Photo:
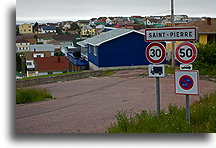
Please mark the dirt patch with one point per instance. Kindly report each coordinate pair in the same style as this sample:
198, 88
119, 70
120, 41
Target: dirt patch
130, 73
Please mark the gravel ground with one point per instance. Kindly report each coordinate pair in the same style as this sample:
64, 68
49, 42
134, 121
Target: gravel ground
90, 105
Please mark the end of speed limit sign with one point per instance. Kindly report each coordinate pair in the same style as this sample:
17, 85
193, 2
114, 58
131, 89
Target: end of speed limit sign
155, 52
186, 52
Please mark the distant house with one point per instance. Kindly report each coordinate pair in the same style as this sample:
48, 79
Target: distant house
57, 44
51, 65
25, 29
42, 38
22, 45
37, 51
82, 23
206, 29
48, 29
115, 48
67, 26
125, 24
88, 31
29, 37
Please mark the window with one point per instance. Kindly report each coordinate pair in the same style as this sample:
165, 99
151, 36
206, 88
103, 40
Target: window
38, 56
95, 51
29, 63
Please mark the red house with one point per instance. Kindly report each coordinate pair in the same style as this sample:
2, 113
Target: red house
51, 65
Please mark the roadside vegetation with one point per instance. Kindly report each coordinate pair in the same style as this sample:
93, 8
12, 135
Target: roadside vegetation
31, 95
203, 119
49, 75
206, 59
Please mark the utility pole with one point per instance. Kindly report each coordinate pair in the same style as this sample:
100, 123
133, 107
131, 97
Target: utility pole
172, 24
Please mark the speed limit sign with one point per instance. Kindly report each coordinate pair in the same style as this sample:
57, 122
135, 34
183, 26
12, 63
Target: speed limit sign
155, 52
186, 52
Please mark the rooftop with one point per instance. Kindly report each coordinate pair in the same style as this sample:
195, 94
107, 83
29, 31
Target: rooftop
110, 35
203, 26
42, 47
56, 63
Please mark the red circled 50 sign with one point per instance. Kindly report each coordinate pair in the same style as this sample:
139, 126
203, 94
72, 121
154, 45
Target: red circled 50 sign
155, 52
186, 53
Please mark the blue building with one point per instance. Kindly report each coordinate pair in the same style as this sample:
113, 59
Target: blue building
115, 48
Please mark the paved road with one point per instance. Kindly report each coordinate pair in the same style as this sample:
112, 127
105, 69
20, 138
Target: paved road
90, 105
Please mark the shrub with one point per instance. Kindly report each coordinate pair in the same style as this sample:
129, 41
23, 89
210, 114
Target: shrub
206, 59
31, 95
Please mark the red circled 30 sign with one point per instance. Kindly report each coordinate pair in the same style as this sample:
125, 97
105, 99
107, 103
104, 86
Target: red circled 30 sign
155, 52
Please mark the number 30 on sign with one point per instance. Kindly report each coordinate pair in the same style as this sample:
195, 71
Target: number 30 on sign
155, 52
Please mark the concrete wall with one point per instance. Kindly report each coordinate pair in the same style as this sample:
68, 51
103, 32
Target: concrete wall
53, 79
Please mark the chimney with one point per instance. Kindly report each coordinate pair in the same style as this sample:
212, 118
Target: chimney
59, 59
208, 20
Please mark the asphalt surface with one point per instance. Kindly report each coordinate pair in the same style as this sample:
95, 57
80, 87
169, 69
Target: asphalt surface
90, 105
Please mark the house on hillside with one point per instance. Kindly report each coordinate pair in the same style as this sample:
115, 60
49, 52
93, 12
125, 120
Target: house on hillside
82, 23
118, 48
43, 38
206, 29
37, 51
88, 31
50, 65
48, 29
22, 45
25, 29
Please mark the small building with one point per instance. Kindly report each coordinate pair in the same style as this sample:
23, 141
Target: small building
51, 65
118, 48
206, 29
25, 29
88, 31
37, 51
22, 45
48, 29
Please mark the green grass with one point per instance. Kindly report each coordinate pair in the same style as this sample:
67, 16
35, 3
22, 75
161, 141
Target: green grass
203, 119
31, 95
109, 72
49, 75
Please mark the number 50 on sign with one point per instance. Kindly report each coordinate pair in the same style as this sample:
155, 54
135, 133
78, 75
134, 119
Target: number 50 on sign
186, 52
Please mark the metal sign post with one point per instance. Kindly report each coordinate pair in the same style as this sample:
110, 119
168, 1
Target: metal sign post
157, 71
158, 95
156, 53
188, 108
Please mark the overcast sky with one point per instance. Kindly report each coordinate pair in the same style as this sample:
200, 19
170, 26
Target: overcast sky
86, 9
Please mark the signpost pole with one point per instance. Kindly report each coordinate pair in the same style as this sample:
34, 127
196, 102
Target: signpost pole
188, 108
158, 95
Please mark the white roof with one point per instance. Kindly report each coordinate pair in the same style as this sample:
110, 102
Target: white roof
42, 47
105, 37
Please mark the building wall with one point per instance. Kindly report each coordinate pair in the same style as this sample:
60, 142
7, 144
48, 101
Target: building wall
91, 57
87, 32
22, 47
30, 55
128, 50
203, 38
25, 28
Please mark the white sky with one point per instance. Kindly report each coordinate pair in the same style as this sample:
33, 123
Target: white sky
86, 9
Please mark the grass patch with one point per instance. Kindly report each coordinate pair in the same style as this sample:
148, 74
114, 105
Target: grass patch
31, 95
109, 72
203, 119
49, 75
